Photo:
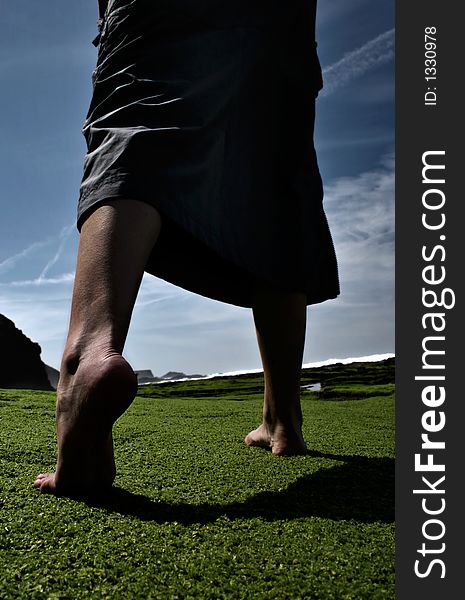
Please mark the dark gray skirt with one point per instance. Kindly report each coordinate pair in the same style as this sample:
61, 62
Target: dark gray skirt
205, 109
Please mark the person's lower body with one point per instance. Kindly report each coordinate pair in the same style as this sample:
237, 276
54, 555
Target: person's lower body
96, 383
280, 322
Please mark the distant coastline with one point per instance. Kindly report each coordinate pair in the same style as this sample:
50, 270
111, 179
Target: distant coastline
321, 363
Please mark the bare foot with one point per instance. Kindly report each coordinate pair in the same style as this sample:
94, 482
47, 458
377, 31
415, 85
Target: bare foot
88, 403
282, 440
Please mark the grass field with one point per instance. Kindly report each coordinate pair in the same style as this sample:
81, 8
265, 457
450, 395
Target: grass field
196, 513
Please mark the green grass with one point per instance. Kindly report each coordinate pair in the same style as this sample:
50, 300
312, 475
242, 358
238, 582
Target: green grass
197, 514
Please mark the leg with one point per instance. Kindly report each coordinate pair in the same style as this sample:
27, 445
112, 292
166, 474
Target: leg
280, 321
96, 384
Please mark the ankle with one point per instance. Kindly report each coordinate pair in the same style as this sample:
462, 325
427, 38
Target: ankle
283, 419
106, 386
96, 362
86, 348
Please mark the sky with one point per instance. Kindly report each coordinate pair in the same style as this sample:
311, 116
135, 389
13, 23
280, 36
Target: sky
46, 60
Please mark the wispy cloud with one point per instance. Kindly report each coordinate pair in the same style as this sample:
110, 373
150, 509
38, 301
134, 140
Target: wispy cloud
361, 214
10, 263
31, 253
374, 53
40, 281
63, 236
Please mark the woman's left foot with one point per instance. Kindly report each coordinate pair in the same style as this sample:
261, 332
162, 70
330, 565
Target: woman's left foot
282, 440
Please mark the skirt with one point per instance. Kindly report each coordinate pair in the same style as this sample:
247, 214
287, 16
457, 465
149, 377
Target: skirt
205, 109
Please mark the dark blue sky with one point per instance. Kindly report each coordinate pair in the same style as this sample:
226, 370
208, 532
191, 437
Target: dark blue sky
46, 58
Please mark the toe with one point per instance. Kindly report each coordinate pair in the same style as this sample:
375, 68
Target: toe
45, 482
39, 479
257, 437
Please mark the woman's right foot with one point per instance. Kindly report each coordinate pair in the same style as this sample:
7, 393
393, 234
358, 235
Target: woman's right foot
88, 403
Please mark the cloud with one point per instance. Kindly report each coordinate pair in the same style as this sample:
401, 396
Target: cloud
167, 311
32, 255
40, 281
360, 211
63, 236
10, 263
374, 53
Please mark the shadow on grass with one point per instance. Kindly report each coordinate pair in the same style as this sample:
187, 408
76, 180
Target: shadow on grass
361, 489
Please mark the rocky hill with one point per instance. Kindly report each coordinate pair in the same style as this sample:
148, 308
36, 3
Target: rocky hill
20, 364
175, 375
146, 376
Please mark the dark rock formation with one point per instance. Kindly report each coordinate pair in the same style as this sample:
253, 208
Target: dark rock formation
20, 363
146, 376
174, 375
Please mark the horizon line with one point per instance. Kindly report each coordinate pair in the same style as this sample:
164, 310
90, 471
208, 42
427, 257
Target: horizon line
310, 365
